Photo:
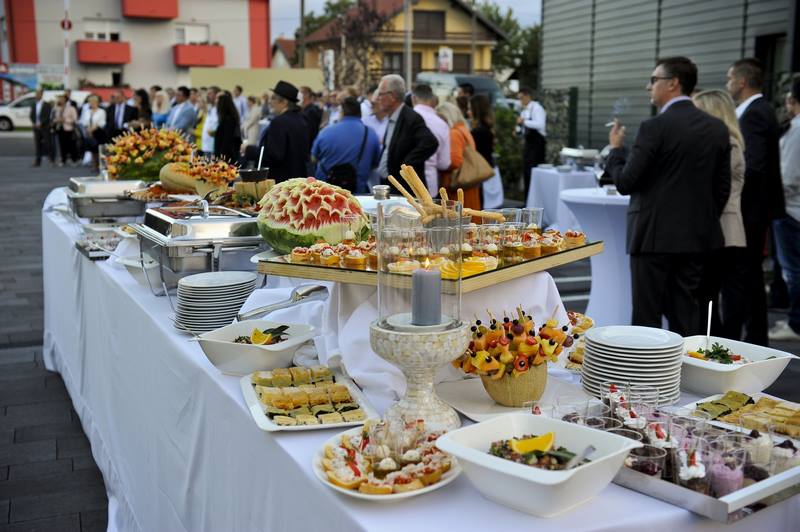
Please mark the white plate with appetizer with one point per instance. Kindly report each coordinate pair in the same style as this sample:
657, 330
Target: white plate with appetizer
299, 399
731, 365
509, 460
340, 465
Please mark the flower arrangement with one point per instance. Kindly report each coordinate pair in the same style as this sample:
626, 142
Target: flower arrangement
141, 154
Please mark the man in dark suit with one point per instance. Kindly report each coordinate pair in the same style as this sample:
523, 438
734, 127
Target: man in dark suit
678, 176
118, 115
285, 141
40, 120
312, 112
762, 199
407, 139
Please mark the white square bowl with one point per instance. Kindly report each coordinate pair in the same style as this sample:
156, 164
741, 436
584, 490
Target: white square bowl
709, 378
243, 359
528, 489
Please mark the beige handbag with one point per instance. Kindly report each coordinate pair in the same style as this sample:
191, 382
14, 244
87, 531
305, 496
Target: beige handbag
473, 171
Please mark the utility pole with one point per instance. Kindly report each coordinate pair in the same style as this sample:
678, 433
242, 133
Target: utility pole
408, 22
472, 44
302, 59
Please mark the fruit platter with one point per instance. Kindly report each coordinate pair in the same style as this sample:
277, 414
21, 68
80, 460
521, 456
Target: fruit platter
385, 461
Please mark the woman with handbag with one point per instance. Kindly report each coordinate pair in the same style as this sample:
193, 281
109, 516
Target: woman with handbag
468, 169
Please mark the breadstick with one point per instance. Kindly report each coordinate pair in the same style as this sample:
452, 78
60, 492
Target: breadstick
483, 214
417, 185
413, 185
405, 194
444, 199
460, 193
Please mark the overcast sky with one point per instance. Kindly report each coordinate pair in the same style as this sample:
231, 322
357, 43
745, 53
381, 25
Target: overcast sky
285, 14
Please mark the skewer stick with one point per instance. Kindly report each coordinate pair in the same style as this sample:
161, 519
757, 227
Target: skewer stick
406, 194
555, 309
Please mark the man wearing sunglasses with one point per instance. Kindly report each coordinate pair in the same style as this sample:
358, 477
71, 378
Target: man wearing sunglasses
678, 176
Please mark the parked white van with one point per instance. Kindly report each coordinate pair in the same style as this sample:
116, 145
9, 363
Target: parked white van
18, 112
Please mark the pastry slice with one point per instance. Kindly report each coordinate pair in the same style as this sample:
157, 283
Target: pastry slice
300, 375
326, 408
298, 397
318, 396
284, 421
262, 378
268, 394
321, 373
333, 417
300, 411
306, 419
339, 393
272, 411
354, 415
281, 377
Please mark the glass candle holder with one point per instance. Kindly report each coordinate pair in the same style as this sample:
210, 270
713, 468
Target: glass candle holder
420, 290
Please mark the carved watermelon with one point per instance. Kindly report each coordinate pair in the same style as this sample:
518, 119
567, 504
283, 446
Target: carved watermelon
301, 211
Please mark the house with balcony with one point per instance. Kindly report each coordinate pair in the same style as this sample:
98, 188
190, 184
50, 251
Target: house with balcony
435, 24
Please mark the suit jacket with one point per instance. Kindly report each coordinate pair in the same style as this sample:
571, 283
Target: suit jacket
286, 147
762, 195
313, 115
731, 219
128, 114
45, 116
412, 143
185, 120
678, 175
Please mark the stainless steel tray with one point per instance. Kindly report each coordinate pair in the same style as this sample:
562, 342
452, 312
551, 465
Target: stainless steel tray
97, 187
96, 207
733, 507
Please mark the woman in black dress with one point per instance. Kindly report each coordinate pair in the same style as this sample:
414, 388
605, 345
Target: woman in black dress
483, 126
228, 138
141, 101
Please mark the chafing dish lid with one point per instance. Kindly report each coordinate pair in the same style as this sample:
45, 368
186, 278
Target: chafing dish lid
100, 188
191, 223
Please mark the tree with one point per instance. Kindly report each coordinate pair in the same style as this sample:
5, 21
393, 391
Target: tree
360, 27
520, 51
331, 10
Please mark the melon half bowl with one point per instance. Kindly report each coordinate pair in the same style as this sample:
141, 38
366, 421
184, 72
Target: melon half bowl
303, 211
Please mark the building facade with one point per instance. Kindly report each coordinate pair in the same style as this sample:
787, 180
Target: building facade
435, 24
607, 49
137, 42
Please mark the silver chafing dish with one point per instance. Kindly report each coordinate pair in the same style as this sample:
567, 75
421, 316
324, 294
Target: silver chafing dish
95, 198
197, 238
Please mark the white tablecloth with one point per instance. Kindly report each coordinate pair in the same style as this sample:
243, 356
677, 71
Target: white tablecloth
603, 217
179, 451
547, 184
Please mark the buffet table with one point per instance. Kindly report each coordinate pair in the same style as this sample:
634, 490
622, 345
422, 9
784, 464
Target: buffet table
179, 450
545, 190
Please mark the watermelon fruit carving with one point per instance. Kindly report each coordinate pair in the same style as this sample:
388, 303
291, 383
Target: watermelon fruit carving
303, 211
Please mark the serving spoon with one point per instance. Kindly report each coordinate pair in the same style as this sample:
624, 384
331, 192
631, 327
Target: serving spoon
301, 294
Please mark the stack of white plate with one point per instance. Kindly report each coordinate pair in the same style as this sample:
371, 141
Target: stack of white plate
208, 301
639, 355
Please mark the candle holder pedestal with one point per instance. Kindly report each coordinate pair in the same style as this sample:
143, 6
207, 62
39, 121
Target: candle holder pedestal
418, 355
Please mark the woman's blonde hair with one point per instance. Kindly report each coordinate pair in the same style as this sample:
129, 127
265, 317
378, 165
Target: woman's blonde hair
162, 107
719, 104
451, 114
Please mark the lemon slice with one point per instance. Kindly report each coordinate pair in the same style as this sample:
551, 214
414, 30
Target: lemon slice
541, 443
259, 338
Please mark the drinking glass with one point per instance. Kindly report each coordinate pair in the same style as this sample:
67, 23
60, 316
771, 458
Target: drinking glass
512, 243
532, 218
511, 215
538, 408
726, 472
630, 434
603, 423
642, 393
648, 460
694, 457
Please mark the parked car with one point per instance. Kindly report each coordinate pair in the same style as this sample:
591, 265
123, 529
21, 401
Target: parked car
18, 113
445, 85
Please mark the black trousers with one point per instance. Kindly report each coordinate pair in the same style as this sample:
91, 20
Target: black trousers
533, 154
744, 302
68, 145
42, 144
667, 284
723, 279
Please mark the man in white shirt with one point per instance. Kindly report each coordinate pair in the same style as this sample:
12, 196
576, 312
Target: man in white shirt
424, 101
532, 121
211, 123
240, 102
787, 229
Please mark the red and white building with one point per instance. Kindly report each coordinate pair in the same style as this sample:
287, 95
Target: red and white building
136, 42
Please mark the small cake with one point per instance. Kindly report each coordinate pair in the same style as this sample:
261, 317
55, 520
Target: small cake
281, 377
268, 394
548, 245
316, 250
421, 253
575, 238
531, 249
349, 238
466, 250
339, 393
300, 254
318, 396
692, 472
262, 378
491, 249
355, 258
328, 257
333, 417
300, 375
321, 373
297, 396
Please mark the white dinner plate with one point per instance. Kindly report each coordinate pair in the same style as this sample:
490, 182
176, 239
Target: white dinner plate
319, 471
263, 421
631, 366
227, 287
211, 294
599, 378
611, 374
217, 279
264, 255
633, 337
617, 351
213, 301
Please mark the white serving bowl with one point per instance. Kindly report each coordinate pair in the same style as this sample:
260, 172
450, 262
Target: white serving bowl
243, 359
528, 489
710, 378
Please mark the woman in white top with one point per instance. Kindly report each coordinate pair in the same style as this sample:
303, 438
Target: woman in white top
250, 126
94, 123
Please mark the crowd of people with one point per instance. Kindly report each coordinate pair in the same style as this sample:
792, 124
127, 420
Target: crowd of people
353, 140
709, 177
